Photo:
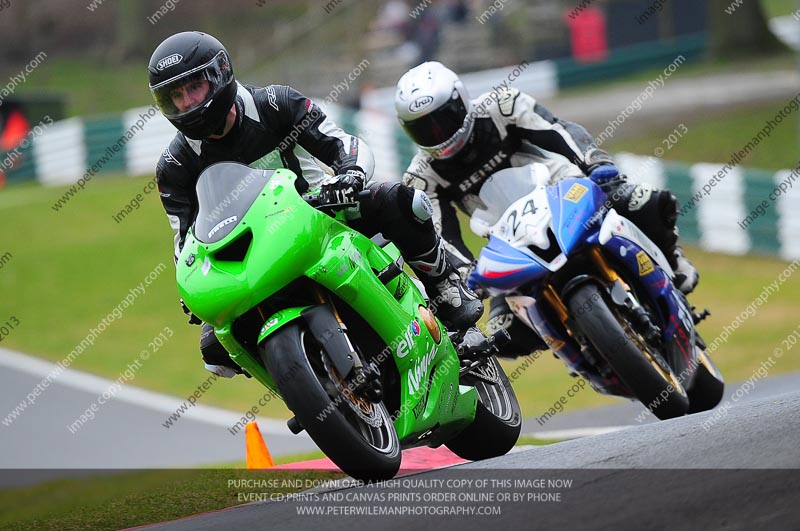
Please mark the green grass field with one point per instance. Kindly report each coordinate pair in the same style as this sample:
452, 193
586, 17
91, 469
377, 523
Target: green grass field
717, 139
777, 8
122, 500
69, 269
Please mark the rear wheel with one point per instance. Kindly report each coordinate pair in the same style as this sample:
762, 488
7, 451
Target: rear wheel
640, 366
356, 434
708, 386
498, 420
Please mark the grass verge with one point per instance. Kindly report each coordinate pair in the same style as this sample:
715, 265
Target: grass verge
717, 139
116, 501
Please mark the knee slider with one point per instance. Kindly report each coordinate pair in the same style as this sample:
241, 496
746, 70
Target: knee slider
409, 203
421, 206
498, 322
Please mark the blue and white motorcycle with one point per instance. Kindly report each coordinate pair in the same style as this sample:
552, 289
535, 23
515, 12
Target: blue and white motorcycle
595, 288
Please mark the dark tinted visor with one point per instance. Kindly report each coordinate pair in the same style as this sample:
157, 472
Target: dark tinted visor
439, 126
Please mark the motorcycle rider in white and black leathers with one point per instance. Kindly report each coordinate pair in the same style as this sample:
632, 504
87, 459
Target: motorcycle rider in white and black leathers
219, 119
463, 142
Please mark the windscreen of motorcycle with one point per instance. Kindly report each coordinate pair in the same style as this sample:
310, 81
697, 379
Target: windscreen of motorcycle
225, 192
503, 189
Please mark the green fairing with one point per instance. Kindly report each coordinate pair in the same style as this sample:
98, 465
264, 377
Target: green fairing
292, 239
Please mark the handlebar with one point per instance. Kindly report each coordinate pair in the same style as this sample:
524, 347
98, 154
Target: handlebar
610, 185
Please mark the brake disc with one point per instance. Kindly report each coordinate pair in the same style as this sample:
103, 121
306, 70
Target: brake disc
363, 408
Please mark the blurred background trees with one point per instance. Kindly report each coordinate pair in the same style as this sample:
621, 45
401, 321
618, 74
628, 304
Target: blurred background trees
97, 49
744, 32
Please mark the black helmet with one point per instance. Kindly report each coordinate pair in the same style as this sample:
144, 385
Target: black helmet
191, 79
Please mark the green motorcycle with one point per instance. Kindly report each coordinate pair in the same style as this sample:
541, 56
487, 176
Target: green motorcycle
327, 318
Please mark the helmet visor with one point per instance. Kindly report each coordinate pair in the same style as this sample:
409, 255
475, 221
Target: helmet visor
439, 126
184, 93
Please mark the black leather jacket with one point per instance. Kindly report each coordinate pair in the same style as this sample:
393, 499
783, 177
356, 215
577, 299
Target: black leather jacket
276, 127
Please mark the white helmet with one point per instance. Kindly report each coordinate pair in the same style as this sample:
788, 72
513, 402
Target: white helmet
434, 109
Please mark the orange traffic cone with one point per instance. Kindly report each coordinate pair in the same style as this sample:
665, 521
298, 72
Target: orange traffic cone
257, 453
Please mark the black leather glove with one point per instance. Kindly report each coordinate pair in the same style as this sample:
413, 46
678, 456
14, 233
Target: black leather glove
342, 188
193, 319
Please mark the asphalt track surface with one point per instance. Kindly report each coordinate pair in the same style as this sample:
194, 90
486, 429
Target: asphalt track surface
125, 434
573, 424
741, 471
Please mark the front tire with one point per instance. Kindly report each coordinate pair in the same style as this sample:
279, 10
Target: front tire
498, 420
637, 364
708, 386
364, 445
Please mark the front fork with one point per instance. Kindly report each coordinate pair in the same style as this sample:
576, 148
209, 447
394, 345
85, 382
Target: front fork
620, 293
364, 380
557, 303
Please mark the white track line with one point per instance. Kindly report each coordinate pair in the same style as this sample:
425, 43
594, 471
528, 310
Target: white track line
166, 404
574, 433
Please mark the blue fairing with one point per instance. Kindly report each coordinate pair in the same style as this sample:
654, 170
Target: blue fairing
573, 203
503, 267
680, 328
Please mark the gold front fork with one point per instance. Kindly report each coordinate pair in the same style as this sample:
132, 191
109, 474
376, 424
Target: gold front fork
602, 265
608, 273
555, 302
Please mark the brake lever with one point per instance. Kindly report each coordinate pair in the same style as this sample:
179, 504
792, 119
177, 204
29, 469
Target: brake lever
335, 207
314, 201
486, 345
612, 183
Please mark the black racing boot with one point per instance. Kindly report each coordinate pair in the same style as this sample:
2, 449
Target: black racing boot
450, 299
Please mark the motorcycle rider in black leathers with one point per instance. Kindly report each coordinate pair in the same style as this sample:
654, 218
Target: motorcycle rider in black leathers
462, 142
219, 119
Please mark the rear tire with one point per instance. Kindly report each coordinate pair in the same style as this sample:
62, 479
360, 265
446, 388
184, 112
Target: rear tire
365, 449
708, 386
498, 420
656, 387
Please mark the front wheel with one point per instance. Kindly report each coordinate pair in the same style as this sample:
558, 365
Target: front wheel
640, 366
357, 435
498, 419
